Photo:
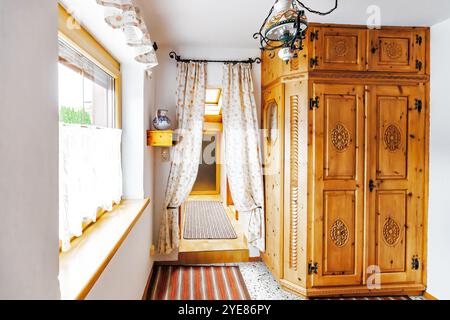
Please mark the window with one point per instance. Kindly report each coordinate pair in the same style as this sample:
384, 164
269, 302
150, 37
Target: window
86, 92
90, 169
213, 105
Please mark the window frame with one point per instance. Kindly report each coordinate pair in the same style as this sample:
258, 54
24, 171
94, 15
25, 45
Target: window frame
88, 46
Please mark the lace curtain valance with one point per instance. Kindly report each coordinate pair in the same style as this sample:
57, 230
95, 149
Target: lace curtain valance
122, 14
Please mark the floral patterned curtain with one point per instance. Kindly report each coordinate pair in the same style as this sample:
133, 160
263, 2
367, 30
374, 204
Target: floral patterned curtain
242, 148
191, 93
122, 14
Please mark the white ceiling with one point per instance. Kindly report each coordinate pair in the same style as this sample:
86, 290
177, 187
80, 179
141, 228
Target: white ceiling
231, 23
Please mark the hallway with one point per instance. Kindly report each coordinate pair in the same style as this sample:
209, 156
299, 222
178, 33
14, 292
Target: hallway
207, 251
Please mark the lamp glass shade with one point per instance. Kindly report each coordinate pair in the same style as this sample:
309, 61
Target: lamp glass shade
282, 24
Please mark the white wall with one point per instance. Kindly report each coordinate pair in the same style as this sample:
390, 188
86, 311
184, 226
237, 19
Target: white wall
127, 273
166, 74
28, 150
439, 208
133, 130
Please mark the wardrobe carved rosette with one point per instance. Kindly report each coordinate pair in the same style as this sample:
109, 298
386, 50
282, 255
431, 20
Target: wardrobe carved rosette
393, 138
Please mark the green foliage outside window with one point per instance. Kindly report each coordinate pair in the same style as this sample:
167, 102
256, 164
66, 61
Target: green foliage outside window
74, 116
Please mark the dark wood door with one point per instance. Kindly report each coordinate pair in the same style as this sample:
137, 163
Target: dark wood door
338, 49
395, 180
397, 51
338, 172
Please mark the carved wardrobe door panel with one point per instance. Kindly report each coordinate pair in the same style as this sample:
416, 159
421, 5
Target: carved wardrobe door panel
395, 180
397, 51
338, 49
273, 146
338, 144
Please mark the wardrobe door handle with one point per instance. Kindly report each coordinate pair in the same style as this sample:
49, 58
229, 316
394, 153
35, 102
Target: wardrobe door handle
371, 185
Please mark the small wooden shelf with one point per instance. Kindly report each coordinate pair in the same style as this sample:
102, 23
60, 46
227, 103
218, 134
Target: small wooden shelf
160, 138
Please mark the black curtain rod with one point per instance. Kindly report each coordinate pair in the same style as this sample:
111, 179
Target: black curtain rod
176, 57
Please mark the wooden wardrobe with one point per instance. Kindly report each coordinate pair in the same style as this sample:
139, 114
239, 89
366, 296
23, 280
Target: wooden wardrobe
346, 162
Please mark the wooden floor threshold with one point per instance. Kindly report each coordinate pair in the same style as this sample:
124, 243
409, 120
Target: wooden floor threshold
211, 257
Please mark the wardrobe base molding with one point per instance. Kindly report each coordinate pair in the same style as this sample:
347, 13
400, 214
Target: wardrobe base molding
354, 291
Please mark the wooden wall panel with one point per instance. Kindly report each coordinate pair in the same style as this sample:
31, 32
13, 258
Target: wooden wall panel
340, 147
391, 221
339, 49
273, 146
396, 136
397, 51
338, 139
339, 233
296, 169
392, 113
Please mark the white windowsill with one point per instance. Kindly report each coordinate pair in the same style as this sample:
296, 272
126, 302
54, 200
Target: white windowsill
82, 265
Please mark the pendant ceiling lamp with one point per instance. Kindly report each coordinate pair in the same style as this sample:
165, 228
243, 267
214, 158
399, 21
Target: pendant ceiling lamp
285, 28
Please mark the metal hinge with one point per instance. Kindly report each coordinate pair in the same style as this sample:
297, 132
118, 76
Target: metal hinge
419, 65
419, 39
415, 264
419, 105
313, 268
314, 35
314, 62
314, 103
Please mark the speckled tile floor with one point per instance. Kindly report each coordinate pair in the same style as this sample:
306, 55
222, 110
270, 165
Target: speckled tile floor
261, 284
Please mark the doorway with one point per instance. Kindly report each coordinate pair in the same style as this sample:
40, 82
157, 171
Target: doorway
208, 177
209, 230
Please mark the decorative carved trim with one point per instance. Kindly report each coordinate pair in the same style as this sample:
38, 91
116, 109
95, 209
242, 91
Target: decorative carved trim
368, 75
295, 64
391, 232
393, 50
340, 48
339, 233
393, 138
294, 181
340, 137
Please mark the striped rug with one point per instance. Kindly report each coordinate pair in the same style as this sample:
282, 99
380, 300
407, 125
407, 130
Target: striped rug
197, 283
207, 220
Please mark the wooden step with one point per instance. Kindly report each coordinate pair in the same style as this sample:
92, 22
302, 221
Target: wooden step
211, 257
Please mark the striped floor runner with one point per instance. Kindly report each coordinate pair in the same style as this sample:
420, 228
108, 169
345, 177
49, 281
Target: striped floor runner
197, 283
207, 220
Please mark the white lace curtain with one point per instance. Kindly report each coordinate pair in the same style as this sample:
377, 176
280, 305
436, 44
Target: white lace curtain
90, 176
191, 91
122, 14
242, 148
